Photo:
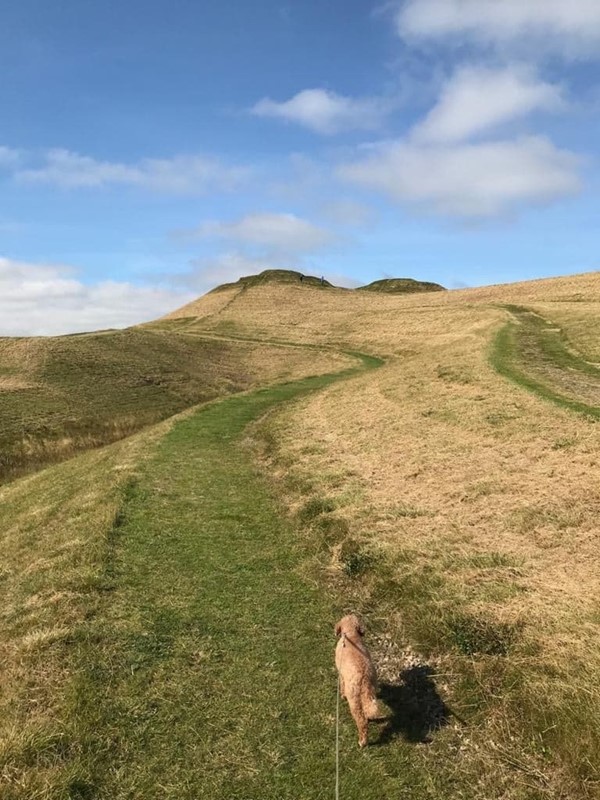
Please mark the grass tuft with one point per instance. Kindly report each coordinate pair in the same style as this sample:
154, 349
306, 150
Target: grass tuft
476, 635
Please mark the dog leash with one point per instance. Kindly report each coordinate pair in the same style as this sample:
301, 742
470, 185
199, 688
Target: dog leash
337, 727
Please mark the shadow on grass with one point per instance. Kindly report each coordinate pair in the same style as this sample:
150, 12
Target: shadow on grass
417, 710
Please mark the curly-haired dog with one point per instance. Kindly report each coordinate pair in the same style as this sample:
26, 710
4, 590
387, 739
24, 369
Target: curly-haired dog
358, 680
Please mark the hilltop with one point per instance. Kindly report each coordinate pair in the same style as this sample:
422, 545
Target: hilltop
274, 286
392, 285
401, 286
274, 276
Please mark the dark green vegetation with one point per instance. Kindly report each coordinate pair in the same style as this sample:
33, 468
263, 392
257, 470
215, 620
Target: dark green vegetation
401, 286
535, 354
275, 276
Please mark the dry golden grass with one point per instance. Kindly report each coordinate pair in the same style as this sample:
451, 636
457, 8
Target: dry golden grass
338, 316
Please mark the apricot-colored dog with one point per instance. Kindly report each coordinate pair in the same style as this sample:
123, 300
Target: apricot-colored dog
358, 680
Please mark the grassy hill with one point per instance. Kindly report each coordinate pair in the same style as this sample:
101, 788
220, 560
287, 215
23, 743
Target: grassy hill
149, 588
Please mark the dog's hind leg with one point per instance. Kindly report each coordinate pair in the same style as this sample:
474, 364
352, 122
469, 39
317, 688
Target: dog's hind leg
356, 709
342, 689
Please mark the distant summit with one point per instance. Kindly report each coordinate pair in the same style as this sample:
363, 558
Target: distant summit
401, 286
274, 276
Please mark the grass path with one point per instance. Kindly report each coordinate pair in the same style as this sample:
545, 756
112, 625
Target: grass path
209, 674
535, 354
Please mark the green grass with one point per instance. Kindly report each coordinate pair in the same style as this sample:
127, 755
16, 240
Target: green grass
205, 668
195, 658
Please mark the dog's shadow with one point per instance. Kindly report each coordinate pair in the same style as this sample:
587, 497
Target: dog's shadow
417, 710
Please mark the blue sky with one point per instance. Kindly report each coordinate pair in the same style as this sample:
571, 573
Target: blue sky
151, 150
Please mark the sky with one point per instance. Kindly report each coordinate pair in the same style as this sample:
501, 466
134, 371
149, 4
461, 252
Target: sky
153, 149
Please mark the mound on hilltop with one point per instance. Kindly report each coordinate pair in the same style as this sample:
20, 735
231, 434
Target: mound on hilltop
274, 276
401, 286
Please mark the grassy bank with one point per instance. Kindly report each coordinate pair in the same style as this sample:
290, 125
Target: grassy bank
167, 629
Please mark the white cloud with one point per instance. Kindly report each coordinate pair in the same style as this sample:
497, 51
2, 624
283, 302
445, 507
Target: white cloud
8, 156
278, 233
46, 299
570, 27
326, 112
476, 99
349, 212
177, 175
468, 180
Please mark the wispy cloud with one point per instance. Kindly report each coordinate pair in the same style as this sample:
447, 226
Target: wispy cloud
570, 28
277, 233
178, 175
206, 273
477, 98
326, 112
47, 299
9, 157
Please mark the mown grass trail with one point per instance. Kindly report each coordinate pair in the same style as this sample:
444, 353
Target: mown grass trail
535, 354
209, 673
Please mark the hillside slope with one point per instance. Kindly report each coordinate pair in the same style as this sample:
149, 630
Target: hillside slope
62, 394
380, 320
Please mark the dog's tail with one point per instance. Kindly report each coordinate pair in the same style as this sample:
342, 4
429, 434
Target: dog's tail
371, 709
369, 702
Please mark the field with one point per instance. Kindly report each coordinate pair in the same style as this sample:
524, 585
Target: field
169, 599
